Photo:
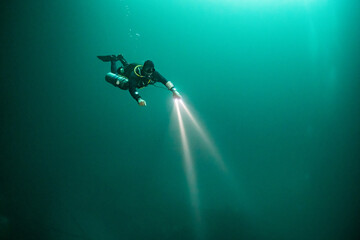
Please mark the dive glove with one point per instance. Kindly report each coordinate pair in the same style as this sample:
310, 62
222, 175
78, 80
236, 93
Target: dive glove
176, 94
171, 87
141, 102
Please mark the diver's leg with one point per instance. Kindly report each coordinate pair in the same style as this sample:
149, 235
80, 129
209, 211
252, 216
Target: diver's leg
113, 66
122, 60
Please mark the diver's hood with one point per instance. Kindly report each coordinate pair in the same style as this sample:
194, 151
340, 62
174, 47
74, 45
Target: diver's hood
148, 65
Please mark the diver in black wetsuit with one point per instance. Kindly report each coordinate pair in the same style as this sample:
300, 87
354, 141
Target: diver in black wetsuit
133, 76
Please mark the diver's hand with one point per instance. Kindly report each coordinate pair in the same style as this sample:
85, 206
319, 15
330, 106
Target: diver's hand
141, 102
176, 95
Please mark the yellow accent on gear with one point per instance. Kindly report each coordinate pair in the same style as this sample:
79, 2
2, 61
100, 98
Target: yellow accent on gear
136, 68
139, 75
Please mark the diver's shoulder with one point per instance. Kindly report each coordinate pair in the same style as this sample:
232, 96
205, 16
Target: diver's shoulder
157, 74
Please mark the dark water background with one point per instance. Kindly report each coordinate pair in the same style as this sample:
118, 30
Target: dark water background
275, 83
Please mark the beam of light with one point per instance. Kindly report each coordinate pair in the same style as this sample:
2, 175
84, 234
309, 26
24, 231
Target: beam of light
206, 138
188, 164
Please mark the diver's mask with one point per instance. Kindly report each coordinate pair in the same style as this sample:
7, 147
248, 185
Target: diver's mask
148, 72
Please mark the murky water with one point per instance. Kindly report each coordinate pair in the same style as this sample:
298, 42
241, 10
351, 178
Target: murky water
266, 146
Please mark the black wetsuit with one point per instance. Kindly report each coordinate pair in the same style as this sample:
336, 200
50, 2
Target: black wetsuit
136, 80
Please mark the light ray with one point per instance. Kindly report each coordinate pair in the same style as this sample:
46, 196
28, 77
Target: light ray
189, 165
206, 138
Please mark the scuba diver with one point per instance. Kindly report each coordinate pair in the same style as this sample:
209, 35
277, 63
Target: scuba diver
133, 76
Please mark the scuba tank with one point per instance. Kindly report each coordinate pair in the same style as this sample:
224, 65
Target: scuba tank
117, 80
121, 79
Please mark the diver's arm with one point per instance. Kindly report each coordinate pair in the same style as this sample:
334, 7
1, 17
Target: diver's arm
159, 78
171, 87
132, 90
134, 93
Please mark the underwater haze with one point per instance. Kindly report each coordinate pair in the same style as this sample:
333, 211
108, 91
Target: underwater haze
264, 145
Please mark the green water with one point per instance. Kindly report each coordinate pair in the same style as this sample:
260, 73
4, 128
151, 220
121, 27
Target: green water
275, 84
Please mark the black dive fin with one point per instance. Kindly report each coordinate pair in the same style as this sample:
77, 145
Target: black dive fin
106, 58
